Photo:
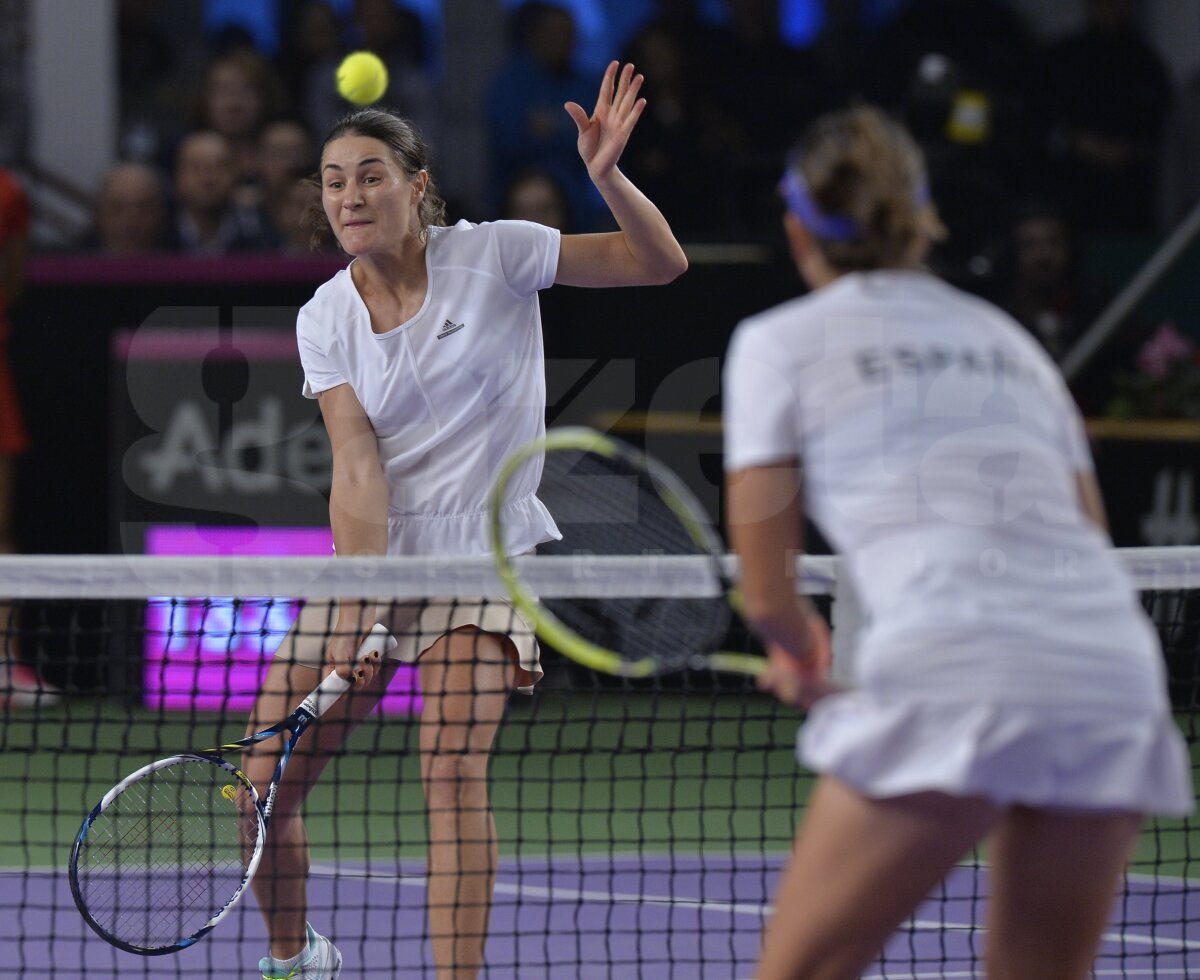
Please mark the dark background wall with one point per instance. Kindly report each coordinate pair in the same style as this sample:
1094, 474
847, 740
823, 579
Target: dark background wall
612, 355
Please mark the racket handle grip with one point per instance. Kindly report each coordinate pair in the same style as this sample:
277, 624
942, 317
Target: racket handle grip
379, 640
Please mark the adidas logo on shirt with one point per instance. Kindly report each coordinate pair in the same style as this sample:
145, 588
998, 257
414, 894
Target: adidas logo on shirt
448, 328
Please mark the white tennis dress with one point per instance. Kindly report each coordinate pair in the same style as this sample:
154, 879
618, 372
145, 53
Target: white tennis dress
1005, 653
450, 393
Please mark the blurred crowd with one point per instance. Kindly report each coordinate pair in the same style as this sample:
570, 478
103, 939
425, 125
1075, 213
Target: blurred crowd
1087, 124
1031, 146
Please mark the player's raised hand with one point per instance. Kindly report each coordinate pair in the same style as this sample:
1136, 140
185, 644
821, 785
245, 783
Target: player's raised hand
603, 134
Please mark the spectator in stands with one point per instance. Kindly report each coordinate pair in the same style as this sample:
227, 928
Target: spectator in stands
313, 45
526, 122
130, 211
534, 195
1179, 189
1044, 292
240, 92
1047, 292
291, 208
1104, 93
208, 219
284, 147
20, 684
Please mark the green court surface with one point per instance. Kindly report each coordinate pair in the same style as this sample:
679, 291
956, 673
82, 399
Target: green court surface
593, 773
600, 772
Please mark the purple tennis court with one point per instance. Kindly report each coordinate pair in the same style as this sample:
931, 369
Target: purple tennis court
649, 916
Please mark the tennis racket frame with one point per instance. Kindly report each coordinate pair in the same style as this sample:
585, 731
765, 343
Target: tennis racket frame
682, 503
328, 692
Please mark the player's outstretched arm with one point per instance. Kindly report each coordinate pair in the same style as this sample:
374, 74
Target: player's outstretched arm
644, 252
358, 501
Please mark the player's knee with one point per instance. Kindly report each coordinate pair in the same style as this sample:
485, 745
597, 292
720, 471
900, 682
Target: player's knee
451, 777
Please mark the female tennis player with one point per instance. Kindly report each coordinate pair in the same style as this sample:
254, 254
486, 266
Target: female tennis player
425, 356
1007, 684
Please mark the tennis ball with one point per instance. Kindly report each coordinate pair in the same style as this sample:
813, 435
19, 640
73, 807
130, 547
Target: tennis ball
362, 78
229, 791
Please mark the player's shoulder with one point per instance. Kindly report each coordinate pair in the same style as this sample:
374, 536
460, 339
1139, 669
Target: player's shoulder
1000, 325
790, 320
975, 305
334, 301
451, 242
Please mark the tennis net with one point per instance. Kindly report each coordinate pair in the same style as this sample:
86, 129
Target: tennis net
641, 824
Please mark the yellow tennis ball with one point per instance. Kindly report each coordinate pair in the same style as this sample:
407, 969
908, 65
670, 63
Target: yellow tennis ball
229, 791
362, 78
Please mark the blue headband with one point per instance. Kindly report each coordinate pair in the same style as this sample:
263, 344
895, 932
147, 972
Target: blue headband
831, 227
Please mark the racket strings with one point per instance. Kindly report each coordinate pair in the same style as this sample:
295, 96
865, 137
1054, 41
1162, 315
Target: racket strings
166, 854
606, 506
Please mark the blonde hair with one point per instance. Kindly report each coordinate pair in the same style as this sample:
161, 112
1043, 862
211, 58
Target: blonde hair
864, 171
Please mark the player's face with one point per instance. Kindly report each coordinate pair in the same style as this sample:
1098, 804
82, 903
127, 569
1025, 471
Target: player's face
369, 200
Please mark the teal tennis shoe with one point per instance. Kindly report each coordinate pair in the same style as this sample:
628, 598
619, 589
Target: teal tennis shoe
319, 960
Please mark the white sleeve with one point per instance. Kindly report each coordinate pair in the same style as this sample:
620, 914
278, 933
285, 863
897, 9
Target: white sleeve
528, 254
761, 419
320, 373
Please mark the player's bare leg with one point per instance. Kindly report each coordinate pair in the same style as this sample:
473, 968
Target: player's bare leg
1053, 881
860, 866
280, 885
465, 681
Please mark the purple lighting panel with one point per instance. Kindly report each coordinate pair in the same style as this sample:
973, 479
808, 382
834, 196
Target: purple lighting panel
210, 654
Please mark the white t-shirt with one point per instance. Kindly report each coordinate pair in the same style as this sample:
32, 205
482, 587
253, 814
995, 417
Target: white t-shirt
452, 391
939, 448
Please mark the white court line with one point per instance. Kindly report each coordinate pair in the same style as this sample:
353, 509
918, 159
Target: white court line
1129, 938
681, 857
1135, 938
579, 894
1148, 879
728, 908
597, 858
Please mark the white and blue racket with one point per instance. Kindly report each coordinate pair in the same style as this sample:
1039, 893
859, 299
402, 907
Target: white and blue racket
168, 851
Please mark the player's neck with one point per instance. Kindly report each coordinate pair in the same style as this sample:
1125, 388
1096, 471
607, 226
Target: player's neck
392, 289
397, 272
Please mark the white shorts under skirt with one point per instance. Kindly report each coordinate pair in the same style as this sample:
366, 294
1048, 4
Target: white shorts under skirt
1011, 754
419, 625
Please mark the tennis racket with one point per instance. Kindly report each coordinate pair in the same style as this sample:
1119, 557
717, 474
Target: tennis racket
167, 852
610, 498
